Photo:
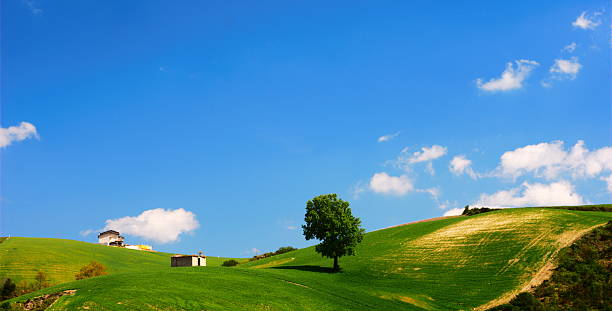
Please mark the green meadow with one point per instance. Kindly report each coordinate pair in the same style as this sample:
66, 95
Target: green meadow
457, 263
60, 260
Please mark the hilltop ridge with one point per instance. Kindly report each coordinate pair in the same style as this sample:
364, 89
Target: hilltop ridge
456, 263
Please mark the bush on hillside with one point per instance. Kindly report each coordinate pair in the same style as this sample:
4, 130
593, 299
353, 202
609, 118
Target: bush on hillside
8, 289
522, 302
230, 263
41, 280
284, 249
25, 287
92, 269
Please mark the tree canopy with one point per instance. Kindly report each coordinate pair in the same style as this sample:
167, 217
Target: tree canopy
330, 220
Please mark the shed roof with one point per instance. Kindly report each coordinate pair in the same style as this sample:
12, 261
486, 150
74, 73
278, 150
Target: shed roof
179, 256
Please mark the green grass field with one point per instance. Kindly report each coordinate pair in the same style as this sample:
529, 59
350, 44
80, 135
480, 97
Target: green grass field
456, 263
22, 258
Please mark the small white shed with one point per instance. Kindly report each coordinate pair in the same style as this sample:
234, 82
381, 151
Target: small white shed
188, 261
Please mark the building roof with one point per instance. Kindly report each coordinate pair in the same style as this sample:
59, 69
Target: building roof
179, 256
113, 232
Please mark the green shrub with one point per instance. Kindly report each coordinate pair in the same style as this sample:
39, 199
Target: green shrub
41, 280
230, 263
92, 269
526, 301
284, 249
8, 289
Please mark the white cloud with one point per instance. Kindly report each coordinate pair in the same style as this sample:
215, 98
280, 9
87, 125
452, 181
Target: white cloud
291, 227
536, 194
446, 204
454, 212
430, 169
32, 6
565, 68
357, 189
11, 134
511, 78
532, 158
585, 22
546, 83
88, 232
385, 184
434, 192
570, 48
549, 160
461, 165
159, 225
427, 154
386, 138
608, 181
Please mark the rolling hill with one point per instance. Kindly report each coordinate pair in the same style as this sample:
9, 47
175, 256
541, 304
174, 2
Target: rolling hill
457, 263
60, 260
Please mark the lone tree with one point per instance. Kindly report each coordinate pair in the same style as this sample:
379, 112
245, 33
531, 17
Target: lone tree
329, 219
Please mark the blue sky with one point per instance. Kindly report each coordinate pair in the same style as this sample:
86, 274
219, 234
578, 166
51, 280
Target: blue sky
207, 125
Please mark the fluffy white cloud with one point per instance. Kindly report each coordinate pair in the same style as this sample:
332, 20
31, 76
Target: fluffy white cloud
159, 225
533, 158
585, 22
536, 194
608, 181
406, 159
511, 78
385, 184
386, 138
549, 160
565, 68
570, 48
461, 165
10, 134
454, 212
427, 154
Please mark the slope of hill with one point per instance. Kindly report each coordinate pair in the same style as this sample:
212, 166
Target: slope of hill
451, 264
60, 260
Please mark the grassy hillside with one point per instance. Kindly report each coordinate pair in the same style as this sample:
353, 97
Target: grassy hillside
454, 263
22, 258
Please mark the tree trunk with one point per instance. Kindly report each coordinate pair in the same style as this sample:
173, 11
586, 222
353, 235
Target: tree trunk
336, 267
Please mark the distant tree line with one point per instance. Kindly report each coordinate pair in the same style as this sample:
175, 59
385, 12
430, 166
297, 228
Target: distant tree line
581, 281
467, 211
281, 250
594, 208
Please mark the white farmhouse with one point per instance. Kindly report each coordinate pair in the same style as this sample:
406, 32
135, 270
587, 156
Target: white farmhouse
111, 238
